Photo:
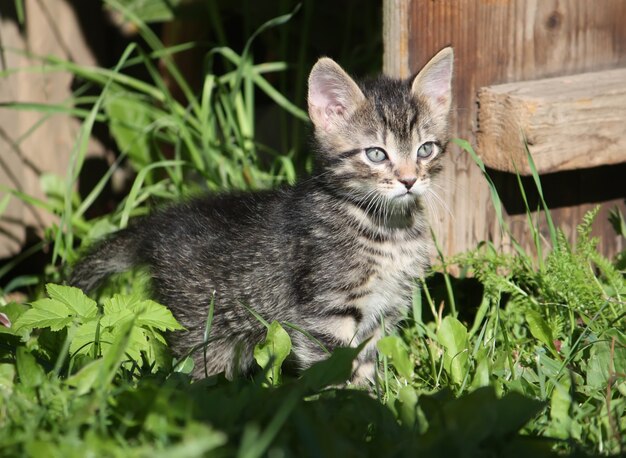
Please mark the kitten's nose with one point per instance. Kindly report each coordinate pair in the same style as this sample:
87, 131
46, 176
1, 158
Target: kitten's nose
408, 182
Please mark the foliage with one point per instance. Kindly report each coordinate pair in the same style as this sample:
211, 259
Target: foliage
104, 409
536, 368
92, 330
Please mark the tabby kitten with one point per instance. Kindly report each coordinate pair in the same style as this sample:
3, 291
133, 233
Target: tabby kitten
335, 255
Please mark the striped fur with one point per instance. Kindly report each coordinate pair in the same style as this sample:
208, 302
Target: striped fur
333, 255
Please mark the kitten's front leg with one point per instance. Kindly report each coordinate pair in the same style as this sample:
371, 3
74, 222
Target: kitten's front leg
364, 371
317, 345
364, 368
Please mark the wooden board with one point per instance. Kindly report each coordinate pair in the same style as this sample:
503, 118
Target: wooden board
569, 122
27, 148
501, 41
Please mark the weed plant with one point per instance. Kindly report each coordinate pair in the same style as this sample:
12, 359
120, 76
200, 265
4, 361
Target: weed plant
537, 369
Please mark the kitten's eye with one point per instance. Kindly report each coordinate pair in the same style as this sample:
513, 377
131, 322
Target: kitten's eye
426, 150
376, 154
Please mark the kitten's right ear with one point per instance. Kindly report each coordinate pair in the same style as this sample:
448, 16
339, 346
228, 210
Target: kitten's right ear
433, 83
333, 95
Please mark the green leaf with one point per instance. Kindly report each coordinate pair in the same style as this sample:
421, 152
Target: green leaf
540, 330
30, 374
153, 10
481, 376
617, 221
514, 410
65, 304
114, 357
52, 186
393, 347
452, 334
406, 406
74, 299
601, 360
7, 380
560, 406
13, 311
119, 303
335, 370
129, 117
150, 313
115, 317
45, 313
198, 440
84, 380
185, 366
138, 342
146, 312
271, 353
85, 336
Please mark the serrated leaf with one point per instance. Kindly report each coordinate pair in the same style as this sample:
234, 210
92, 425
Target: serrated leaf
118, 303
74, 299
150, 313
393, 347
540, 330
147, 312
45, 313
138, 339
110, 320
271, 353
84, 338
137, 342
114, 356
452, 334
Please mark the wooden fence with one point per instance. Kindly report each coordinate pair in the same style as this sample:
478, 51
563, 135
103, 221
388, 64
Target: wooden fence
575, 124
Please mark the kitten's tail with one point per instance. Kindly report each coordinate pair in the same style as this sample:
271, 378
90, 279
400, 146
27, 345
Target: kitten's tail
116, 253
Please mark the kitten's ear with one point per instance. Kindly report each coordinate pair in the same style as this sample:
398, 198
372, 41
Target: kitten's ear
333, 95
433, 83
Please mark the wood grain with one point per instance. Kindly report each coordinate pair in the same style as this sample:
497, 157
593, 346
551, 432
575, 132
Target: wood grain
28, 149
396, 32
569, 122
501, 41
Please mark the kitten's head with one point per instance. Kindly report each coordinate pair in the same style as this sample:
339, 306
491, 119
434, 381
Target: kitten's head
380, 142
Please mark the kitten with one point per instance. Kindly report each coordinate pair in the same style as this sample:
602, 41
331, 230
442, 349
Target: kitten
335, 255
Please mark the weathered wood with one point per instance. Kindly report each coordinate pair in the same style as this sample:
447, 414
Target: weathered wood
501, 41
569, 122
51, 27
396, 33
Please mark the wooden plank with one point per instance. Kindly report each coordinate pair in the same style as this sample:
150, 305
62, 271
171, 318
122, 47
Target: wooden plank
396, 32
569, 122
52, 27
501, 41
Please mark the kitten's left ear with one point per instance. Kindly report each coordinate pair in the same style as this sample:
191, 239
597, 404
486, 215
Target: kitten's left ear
333, 95
433, 83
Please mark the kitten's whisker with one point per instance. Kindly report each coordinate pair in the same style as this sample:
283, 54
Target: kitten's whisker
442, 202
432, 209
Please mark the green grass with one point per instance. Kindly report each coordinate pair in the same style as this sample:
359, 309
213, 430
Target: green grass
524, 354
